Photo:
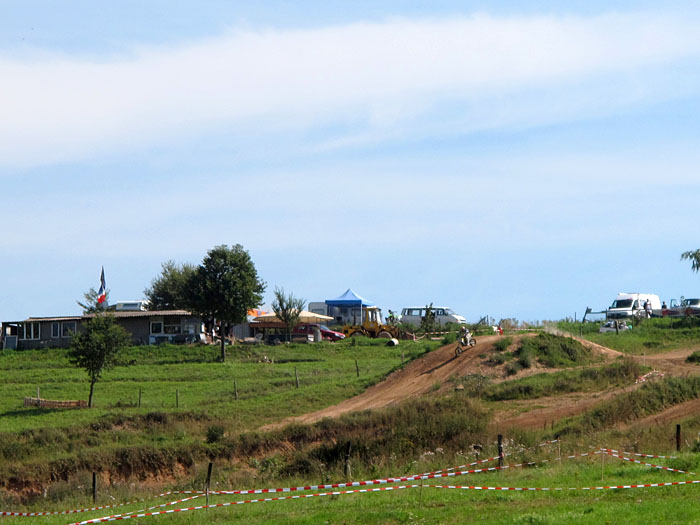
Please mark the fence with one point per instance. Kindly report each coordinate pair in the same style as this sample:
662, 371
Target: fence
47, 403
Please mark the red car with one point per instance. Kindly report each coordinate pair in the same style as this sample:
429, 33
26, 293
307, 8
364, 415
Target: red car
310, 328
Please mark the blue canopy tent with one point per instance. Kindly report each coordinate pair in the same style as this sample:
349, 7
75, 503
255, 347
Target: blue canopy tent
349, 299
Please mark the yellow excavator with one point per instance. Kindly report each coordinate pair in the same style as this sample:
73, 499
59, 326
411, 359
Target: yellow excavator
371, 326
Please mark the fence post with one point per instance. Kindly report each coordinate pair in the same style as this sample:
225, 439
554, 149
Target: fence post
357, 368
139, 397
177, 398
296, 376
235, 389
211, 466
94, 488
678, 437
348, 471
500, 450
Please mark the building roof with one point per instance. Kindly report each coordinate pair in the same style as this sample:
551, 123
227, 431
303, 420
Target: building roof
117, 315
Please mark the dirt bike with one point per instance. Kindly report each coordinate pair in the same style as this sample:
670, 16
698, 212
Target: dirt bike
464, 342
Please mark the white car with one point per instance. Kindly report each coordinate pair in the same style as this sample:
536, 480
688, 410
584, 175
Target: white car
414, 314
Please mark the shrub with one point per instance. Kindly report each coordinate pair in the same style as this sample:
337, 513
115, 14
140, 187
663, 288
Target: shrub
215, 433
503, 344
694, 357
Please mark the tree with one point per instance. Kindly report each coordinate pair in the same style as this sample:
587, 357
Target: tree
288, 309
95, 348
224, 287
694, 257
91, 306
168, 291
427, 322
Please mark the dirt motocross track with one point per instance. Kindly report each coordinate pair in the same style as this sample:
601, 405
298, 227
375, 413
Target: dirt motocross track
434, 371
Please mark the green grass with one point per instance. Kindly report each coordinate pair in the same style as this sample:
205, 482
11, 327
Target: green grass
552, 351
647, 336
39, 442
566, 381
676, 504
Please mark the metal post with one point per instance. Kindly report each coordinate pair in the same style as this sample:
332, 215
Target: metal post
678, 437
500, 450
211, 466
94, 488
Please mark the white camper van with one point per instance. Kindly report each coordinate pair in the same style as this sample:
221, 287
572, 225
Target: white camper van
629, 305
414, 314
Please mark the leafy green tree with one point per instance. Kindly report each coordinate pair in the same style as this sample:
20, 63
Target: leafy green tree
168, 291
95, 348
288, 309
694, 257
91, 306
224, 287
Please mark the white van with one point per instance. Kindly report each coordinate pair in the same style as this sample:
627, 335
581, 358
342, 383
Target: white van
414, 314
628, 305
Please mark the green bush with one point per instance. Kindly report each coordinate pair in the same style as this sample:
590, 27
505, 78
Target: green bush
503, 344
694, 357
215, 433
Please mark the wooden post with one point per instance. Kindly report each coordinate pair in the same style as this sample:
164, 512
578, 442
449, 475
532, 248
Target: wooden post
678, 437
402, 357
38, 396
211, 466
94, 488
500, 450
235, 389
139, 397
357, 368
347, 469
177, 398
296, 376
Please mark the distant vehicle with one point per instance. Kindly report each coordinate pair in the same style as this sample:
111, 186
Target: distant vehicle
631, 305
686, 307
310, 329
610, 326
443, 315
372, 326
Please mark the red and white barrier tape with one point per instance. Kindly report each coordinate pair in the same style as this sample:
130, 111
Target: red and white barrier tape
660, 467
639, 455
451, 472
386, 489
232, 503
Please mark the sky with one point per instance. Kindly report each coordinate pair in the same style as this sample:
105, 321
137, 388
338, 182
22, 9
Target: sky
499, 159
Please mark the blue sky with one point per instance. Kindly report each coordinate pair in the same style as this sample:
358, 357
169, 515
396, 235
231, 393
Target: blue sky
513, 161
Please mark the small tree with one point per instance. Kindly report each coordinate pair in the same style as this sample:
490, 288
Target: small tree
694, 257
224, 287
95, 348
91, 306
168, 291
427, 322
288, 309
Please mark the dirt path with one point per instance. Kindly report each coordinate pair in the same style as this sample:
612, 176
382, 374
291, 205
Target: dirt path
434, 371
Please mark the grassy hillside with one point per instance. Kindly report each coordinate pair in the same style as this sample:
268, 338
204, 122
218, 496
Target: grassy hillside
646, 337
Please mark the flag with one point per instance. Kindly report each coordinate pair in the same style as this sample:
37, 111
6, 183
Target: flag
102, 293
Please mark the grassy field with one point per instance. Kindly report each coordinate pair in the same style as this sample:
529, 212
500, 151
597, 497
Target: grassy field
139, 450
648, 336
49, 443
675, 504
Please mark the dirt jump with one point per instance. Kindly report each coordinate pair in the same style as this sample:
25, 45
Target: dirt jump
439, 371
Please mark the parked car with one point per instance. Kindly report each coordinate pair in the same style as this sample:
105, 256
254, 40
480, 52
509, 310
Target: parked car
686, 307
310, 328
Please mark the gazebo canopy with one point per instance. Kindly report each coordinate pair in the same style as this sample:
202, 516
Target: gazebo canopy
349, 298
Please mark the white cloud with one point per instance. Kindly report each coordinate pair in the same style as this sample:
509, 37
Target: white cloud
382, 79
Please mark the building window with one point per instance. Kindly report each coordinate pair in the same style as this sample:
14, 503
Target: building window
156, 327
67, 328
172, 329
29, 331
55, 330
